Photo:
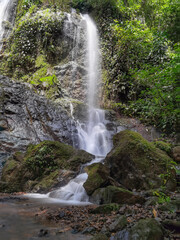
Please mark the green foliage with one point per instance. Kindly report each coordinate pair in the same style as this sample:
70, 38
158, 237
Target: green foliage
41, 161
162, 197
99, 7
141, 62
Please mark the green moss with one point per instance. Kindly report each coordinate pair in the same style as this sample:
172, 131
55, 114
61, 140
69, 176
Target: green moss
48, 181
112, 194
164, 146
106, 208
138, 164
97, 176
141, 151
39, 167
149, 229
40, 61
50, 80
10, 166
33, 47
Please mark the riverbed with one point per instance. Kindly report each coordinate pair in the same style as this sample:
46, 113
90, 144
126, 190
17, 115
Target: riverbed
18, 220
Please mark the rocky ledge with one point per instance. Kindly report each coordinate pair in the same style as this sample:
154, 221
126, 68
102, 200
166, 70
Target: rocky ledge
28, 118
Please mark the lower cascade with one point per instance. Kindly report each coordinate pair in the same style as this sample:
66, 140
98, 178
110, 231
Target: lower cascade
93, 136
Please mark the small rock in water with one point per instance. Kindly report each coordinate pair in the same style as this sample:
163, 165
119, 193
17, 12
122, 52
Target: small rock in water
76, 229
43, 232
61, 214
88, 230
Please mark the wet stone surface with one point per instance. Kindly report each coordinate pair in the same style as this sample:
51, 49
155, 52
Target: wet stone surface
28, 118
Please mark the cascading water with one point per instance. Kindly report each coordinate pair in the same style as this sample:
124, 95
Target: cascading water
4, 7
93, 136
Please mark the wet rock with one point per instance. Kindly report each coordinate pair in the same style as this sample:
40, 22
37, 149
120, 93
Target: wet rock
122, 235
89, 230
172, 225
99, 236
145, 229
136, 163
43, 233
42, 167
97, 177
151, 201
61, 214
118, 224
106, 208
28, 118
76, 229
112, 194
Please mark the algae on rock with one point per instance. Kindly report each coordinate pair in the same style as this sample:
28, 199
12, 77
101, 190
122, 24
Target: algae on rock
41, 167
137, 164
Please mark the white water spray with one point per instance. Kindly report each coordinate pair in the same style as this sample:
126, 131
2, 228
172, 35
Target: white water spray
4, 7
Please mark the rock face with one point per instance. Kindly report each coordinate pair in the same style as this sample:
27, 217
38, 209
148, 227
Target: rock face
136, 163
42, 167
28, 118
49, 45
71, 72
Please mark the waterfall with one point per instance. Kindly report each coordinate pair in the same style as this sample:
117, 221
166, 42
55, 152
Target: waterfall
93, 136
4, 12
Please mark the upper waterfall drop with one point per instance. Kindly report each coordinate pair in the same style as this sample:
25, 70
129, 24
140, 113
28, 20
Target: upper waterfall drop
94, 137
4, 7
94, 61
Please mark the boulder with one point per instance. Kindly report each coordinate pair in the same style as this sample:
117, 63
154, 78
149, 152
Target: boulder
118, 224
147, 229
106, 208
164, 146
42, 167
144, 229
112, 194
137, 164
97, 177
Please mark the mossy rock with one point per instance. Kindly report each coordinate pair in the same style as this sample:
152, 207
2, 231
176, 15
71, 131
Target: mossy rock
112, 194
35, 46
147, 229
164, 146
106, 208
97, 177
118, 224
137, 164
39, 168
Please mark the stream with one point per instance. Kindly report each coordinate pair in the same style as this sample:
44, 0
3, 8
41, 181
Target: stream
18, 221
